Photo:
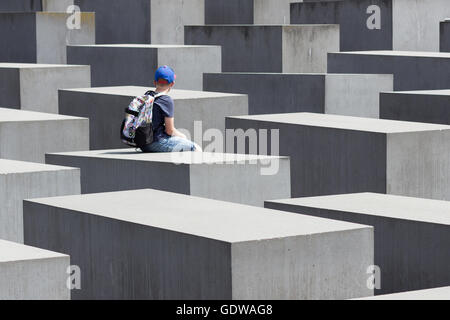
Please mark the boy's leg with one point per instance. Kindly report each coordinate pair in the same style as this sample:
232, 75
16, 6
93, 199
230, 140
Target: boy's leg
171, 144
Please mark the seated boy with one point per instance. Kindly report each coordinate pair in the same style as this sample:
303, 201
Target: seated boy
166, 138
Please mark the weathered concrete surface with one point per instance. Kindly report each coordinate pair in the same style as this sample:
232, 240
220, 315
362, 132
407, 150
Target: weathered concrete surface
445, 36
429, 294
35, 86
105, 109
346, 94
27, 135
28, 273
42, 37
229, 177
412, 235
411, 70
269, 48
431, 106
333, 154
129, 64
25, 180
404, 24
248, 11
183, 247
143, 21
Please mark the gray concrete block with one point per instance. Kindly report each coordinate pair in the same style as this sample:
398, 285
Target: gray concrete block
333, 154
105, 109
403, 24
20, 6
175, 246
56, 5
143, 21
431, 106
411, 70
27, 135
42, 37
229, 177
412, 235
428, 294
128, 64
28, 273
445, 36
269, 48
346, 94
247, 11
26, 180
35, 86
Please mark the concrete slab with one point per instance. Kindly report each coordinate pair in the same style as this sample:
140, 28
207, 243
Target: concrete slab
431, 106
42, 37
154, 21
25, 180
27, 135
105, 109
247, 11
129, 64
346, 94
229, 177
429, 294
57, 5
445, 36
333, 154
411, 70
35, 86
269, 48
20, 6
28, 273
183, 247
412, 235
408, 25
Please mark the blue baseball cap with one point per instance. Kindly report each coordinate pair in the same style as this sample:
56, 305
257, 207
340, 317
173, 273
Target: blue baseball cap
166, 73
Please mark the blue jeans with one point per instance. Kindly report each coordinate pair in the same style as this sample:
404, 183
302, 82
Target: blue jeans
169, 144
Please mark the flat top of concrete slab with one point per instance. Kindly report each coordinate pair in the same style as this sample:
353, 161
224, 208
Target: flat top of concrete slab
223, 221
14, 115
133, 91
345, 122
445, 92
287, 74
4, 65
420, 54
13, 252
171, 157
13, 166
428, 294
145, 46
382, 205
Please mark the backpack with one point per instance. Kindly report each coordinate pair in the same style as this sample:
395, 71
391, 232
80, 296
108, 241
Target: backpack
137, 129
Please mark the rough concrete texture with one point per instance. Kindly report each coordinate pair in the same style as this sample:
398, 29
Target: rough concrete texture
412, 235
229, 177
346, 94
333, 154
269, 48
129, 64
153, 21
25, 180
428, 294
35, 87
411, 70
409, 25
445, 36
42, 37
247, 11
183, 247
27, 135
105, 109
431, 106
28, 273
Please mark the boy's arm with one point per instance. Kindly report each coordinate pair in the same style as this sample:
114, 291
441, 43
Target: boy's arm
171, 130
